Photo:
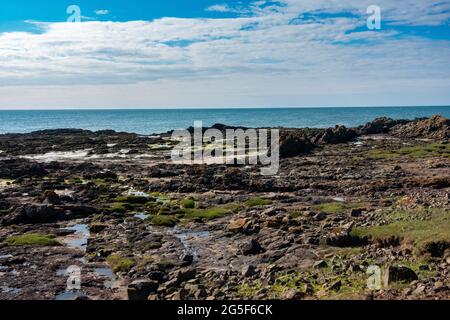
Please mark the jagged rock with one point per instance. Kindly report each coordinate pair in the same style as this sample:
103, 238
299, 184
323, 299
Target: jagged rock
380, 125
339, 134
436, 127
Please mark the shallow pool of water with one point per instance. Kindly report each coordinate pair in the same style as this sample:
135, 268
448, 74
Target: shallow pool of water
69, 295
80, 238
6, 289
111, 281
141, 216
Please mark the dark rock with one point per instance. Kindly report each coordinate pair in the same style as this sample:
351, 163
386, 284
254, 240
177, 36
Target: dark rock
336, 286
249, 271
250, 248
50, 197
141, 289
339, 134
399, 274
320, 264
436, 127
380, 125
356, 212
292, 146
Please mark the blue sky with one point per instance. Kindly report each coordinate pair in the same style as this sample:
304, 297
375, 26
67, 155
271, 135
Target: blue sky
212, 53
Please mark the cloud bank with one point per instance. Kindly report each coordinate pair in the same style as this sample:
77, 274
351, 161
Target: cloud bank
287, 53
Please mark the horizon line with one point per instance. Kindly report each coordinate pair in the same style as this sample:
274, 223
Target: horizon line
205, 108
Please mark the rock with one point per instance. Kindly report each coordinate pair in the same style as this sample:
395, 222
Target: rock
18, 168
439, 286
248, 271
320, 264
97, 227
50, 197
356, 212
141, 289
237, 225
184, 274
292, 146
380, 125
436, 127
200, 294
320, 216
270, 212
339, 134
293, 294
340, 237
251, 247
419, 290
336, 286
33, 213
187, 259
394, 274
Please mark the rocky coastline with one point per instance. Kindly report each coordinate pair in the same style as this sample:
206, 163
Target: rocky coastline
346, 201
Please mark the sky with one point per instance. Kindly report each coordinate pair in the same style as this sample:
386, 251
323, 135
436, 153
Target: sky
222, 53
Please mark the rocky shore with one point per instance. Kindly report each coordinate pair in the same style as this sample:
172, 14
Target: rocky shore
354, 213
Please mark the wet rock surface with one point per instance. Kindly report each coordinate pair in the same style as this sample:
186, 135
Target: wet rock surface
345, 201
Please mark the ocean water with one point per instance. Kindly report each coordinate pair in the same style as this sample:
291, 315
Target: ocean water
162, 120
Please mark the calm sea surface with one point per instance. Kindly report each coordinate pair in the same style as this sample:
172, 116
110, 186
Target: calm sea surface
162, 120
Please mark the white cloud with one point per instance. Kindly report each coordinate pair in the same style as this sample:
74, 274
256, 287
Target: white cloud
250, 60
102, 12
219, 8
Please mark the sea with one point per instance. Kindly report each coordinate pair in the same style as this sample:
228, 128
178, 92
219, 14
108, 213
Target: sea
153, 121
